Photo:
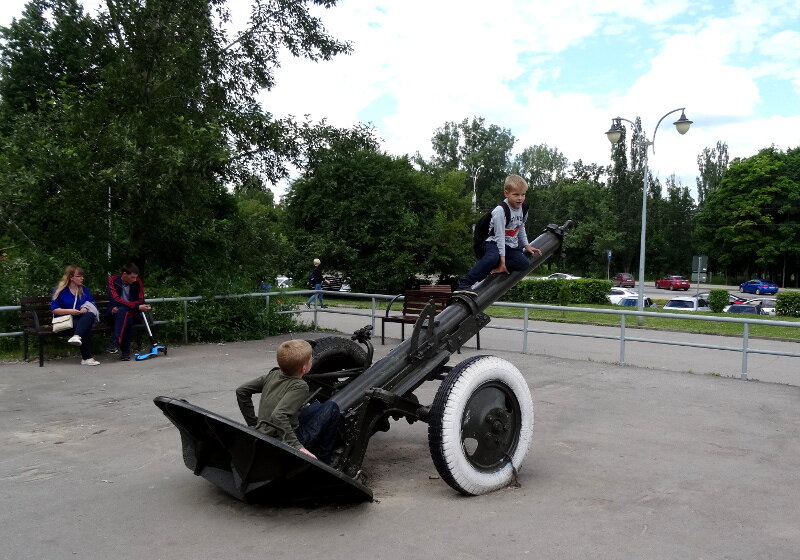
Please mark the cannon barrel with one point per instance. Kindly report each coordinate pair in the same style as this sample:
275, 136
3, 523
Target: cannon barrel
407, 366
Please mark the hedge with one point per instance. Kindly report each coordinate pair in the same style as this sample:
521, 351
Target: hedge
560, 291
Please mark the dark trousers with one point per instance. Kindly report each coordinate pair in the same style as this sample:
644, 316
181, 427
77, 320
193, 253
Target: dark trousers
319, 426
82, 326
515, 260
124, 320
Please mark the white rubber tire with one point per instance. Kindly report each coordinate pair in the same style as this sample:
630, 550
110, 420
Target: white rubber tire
502, 381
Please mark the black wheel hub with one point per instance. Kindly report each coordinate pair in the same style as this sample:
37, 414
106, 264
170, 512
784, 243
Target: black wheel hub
490, 426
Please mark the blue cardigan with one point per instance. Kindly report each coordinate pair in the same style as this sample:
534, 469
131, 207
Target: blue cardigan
66, 300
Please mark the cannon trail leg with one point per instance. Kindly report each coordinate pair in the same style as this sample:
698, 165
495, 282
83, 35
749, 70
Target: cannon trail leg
481, 424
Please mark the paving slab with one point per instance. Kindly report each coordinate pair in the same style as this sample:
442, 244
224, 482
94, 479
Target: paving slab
626, 462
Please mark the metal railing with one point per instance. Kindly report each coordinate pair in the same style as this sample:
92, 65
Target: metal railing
372, 313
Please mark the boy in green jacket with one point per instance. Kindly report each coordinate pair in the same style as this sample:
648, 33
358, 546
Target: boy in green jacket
311, 429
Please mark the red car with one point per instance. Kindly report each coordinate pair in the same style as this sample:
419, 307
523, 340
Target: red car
672, 283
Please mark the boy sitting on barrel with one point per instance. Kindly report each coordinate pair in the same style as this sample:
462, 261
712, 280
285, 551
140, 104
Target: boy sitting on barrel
501, 251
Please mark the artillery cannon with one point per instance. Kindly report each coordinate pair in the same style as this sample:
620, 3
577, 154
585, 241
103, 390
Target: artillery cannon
479, 425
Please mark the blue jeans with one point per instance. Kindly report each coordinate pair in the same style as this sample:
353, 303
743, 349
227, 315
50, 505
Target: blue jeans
82, 326
319, 426
515, 260
318, 295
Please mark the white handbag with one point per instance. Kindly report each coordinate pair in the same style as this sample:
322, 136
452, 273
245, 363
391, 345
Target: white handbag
64, 322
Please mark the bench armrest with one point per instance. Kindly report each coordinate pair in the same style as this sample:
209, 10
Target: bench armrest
389, 307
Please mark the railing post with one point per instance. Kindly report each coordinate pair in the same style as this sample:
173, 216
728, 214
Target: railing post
185, 322
525, 332
268, 315
622, 340
373, 310
745, 344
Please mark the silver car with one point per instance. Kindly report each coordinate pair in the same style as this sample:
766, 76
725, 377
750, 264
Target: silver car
687, 303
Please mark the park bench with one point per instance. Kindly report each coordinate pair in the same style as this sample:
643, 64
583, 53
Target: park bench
37, 318
414, 301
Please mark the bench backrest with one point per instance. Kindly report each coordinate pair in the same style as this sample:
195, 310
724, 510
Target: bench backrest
416, 300
36, 311
441, 289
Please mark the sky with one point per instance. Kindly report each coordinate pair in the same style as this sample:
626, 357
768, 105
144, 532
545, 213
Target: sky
554, 72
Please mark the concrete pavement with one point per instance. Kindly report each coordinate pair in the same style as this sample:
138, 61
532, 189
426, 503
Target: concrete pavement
626, 462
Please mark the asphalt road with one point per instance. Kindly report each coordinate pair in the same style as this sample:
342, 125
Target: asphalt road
626, 462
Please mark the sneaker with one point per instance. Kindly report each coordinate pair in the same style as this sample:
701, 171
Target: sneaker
90, 362
113, 348
466, 292
324, 306
125, 358
75, 340
308, 305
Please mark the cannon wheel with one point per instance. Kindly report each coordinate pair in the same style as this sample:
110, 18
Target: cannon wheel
481, 424
333, 353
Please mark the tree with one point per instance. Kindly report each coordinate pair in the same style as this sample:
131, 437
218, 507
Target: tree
483, 152
542, 166
625, 184
751, 222
712, 164
670, 226
377, 219
132, 126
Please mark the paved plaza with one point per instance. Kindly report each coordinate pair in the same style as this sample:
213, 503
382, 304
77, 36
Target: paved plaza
626, 462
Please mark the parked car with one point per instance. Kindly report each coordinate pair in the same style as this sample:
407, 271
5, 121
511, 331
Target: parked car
336, 283
623, 280
283, 281
744, 308
634, 302
617, 294
562, 276
672, 282
767, 305
731, 298
758, 286
687, 303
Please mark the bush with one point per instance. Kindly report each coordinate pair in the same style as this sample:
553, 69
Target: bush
581, 291
787, 304
238, 318
717, 300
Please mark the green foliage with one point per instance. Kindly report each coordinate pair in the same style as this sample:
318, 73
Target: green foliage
751, 222
560, 291
482, 151
232, 319
129, 128
717, 300
376, 219
788, 304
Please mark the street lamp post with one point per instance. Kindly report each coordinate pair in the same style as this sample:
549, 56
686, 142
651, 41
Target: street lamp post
614, 134
475, 188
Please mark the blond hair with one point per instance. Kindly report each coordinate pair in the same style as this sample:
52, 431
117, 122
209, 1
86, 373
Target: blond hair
293, 355
515, 182
69, 272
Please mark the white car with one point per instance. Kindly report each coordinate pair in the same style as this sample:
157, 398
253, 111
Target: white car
616, 294
561, 276
283, 281
767, 304
687, 303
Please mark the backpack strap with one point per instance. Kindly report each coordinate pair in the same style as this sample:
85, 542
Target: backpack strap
507, 210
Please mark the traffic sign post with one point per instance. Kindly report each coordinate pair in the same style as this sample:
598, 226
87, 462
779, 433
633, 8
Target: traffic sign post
699, 270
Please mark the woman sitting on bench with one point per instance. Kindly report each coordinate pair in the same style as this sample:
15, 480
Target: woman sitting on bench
71, 298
